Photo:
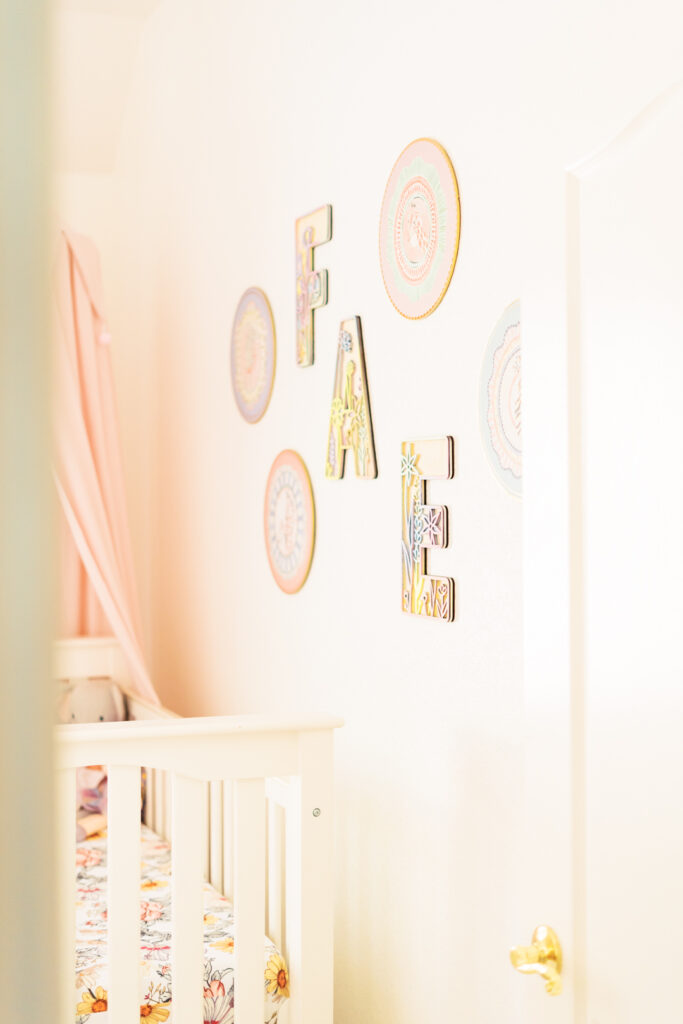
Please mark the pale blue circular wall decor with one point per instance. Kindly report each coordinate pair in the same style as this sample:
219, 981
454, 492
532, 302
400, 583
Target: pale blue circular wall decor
500, 400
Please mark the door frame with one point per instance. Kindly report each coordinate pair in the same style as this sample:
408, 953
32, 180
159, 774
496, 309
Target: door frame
27, 892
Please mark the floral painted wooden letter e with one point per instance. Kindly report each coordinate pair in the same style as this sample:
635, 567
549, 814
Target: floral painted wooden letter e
425, 526
311, 285
350, 423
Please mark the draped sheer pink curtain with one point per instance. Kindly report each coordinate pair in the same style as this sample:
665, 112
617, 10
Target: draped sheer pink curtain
98, 590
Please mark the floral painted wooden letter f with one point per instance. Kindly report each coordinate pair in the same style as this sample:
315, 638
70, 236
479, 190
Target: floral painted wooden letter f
425, 526
311, 285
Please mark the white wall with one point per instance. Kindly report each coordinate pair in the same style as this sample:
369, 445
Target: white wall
238, 118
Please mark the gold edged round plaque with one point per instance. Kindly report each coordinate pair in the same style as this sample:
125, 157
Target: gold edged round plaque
419, 231
289, 521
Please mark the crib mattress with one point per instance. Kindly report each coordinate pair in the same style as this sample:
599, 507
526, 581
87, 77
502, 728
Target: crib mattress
155, 932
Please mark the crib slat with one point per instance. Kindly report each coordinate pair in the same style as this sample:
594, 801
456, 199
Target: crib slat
228, 829
206, 845
187, 899
276, 873
149, 799
309, 895
66, 882
216, 836
249, 880
160, 803
123, 856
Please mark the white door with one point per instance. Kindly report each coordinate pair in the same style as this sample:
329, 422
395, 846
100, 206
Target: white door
603, 842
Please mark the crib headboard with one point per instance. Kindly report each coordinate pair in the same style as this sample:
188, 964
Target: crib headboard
102, 658
86, 657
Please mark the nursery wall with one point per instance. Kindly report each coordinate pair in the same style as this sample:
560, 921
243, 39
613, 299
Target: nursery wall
230, 120
192, 135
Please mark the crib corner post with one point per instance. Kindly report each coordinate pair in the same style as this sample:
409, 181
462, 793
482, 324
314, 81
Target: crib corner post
310, 882
66, 876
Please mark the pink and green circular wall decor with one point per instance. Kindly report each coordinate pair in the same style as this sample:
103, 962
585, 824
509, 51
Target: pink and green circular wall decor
419, 230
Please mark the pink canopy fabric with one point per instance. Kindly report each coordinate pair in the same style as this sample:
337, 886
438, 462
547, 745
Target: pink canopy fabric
98, 590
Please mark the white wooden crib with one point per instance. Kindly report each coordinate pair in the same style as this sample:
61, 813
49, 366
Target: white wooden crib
247, 803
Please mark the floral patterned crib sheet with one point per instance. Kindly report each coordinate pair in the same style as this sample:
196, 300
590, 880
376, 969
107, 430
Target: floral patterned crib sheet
155, 931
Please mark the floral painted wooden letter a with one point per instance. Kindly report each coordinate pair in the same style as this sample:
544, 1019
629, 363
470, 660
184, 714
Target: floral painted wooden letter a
350, 423
425, 526
311, 285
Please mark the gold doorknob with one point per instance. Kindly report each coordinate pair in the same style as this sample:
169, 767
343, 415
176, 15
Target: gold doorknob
543, 956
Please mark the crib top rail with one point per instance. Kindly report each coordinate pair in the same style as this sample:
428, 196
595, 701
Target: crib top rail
234, 746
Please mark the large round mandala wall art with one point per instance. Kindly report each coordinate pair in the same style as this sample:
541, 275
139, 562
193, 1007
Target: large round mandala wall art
289, 521
500, 400
419, 230
252, 354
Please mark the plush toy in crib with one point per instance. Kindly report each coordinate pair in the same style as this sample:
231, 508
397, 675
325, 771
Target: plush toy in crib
91, 700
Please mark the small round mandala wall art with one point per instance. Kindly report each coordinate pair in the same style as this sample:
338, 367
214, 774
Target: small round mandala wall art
289, 521
500, 400
252, 354
419, 230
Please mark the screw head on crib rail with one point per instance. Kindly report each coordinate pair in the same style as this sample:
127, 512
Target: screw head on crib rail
316, 812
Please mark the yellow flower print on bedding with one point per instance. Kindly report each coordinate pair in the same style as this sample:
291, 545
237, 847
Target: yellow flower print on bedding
93, 1002
153, 883
277, 976
153, 1012
226, 945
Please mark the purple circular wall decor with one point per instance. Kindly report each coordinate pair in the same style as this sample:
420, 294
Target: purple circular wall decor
252, 354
